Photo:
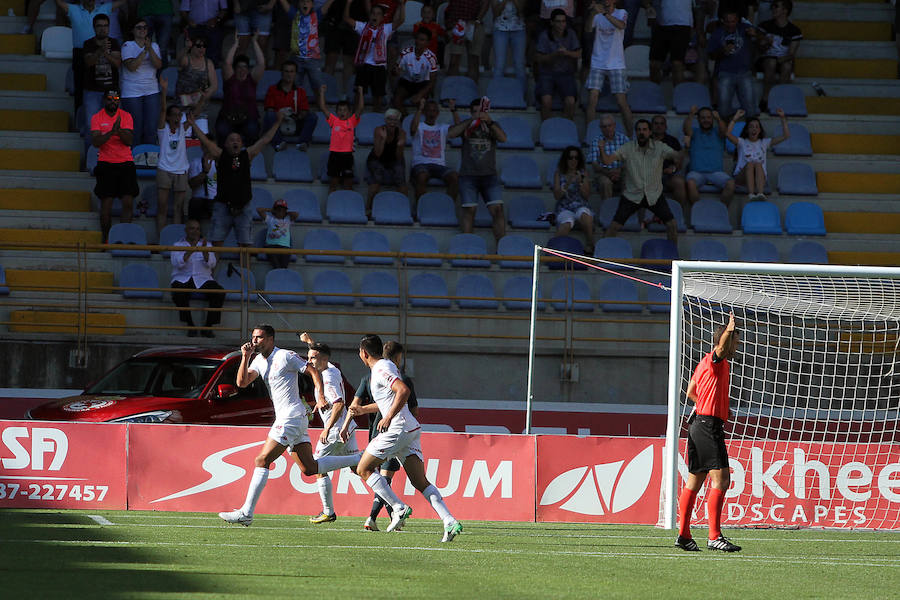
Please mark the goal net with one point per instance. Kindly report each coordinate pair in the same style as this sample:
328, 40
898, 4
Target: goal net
815, 392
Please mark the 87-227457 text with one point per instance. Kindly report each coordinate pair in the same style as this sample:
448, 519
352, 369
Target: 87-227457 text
50, 492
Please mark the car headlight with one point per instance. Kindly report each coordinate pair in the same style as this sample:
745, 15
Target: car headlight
153, 416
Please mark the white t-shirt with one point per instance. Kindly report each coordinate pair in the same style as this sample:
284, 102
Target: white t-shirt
429, 144
172, 150
417, 68
370, 55
748, 151
211, 188
333, 385
609, 42
384, 374
143, 81
278, 231
279, 372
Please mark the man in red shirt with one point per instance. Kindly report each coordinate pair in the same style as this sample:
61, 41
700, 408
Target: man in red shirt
112, 133
707, 455
299, 123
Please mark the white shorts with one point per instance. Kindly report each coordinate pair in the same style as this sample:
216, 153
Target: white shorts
399, 444
567, 216
335, 447
290, 432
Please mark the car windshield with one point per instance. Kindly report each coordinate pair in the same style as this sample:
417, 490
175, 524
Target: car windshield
163, 376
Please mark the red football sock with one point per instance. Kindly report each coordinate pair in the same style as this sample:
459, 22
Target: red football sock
685, 508
714, 503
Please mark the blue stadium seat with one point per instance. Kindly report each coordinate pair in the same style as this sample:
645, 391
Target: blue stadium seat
646, 97
305, 204
230, 241
170, 74
808, 252
391, 208
709, 250
608, 210
269, 78
789, 98
710, 216
657, 294
557, 133
468, 244
463, 89
518, 134
615, 292
659, 249
4, 289
194, 153
146, 155
346, 206
169, 235
690, 93
804, 218
139, 275
322, 239
571, 293
287, 286
656, 226
234, 281
371, 241
568, 244
483, 216
737, 130
436, 209
799, 144
761, 217
476, 291
378, 284
520, 172
517, 294
258, 168
523, 212
512, 244
323, 169
428, 284
762, 251
365, 131
262, 198
506, 93
330, 287
322, 132
128, 233
797, 179
292, 165
332, 89
614, 249
219, 94
259, 241
420, 243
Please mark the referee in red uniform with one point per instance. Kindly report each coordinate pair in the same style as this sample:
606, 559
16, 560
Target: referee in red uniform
707, 455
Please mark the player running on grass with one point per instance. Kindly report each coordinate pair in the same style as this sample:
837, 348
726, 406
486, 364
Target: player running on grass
707, 455
279, 369
399, 437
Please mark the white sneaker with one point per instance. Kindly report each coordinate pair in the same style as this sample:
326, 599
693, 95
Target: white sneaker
236, 516
762, 197
370, 525
451, 531
398, 518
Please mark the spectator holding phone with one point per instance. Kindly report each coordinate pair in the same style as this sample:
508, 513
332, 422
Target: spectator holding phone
140, 89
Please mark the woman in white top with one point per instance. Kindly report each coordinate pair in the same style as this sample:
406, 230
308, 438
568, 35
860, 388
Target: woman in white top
140, 89
509, 32
752, 147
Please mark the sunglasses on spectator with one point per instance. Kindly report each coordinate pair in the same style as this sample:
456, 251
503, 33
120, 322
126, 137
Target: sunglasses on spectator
199, 45
112, 97
140, 27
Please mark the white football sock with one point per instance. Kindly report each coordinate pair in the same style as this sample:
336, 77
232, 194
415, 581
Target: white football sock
324, 484
432, 494
380, 486
257, 483
333, 463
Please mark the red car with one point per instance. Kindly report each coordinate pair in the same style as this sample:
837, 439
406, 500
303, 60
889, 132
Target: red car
173, 385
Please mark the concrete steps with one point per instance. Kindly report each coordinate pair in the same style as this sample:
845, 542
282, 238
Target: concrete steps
859, 183
887, 223
47, 321
35, 120
45, 200
39, 160
15, 43
863, 68
68, 236
847, 143
31, 82
848, 105
51, 281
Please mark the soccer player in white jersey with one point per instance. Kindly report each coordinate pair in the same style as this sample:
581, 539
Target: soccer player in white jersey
399, 437
333, 412
279, 369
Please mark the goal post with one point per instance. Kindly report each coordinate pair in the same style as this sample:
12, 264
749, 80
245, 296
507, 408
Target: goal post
815, 391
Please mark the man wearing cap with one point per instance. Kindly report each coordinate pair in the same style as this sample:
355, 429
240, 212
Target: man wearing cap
112, 132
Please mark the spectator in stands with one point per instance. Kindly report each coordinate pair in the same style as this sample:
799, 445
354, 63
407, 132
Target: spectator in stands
779, 40
673, 180
172, 170
439, 36
707, 145
278, 231
140, 88
608, 57
752, 147
385, 164
252, 17
232, 207
203, 179
671, 38
558, 50
549, 6
478, 167
429, 143
464, 19
340, 148
299, 122
731, 45
371, 53
416, 69
304, 42
192, 269
340, 38
239, 113
643, 160
102, 60
509, 33
197, 80
159, 15
571, 188
204, 18
112, 135
607, 177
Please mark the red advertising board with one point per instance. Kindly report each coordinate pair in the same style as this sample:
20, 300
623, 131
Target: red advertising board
598, 479
207, 469
62, 465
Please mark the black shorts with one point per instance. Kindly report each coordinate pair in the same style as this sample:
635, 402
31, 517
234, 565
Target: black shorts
671, 40
627, 208
411, 87
340, 164
115, 180
340, 39
706, 445
372, 78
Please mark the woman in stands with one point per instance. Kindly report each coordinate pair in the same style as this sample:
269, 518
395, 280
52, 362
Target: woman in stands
571, 188
140, 89
197, 81
239, 113
752, 148
509, 33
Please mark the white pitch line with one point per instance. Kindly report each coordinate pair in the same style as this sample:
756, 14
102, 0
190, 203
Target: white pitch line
100, 520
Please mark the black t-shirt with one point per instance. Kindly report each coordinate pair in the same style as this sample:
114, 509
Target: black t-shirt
674, 144
234, 180
103, 75
335, 14
781, 37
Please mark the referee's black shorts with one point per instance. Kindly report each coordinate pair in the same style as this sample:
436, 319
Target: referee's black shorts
115, 180
706, 445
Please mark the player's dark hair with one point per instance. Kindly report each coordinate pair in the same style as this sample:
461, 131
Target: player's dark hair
639, 121
265, 328
732, 340
240, 58
424, 31
170, 108
745, 134
321, 348
341, 103
702, 108
787, 4
100, 17
391, 349
288, 63
563, 165
557, 12
371, 343
475, 103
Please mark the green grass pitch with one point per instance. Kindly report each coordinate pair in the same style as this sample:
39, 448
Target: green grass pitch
117, 554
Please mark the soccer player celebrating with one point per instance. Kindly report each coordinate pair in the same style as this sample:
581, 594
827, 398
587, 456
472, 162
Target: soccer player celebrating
399, 437
278, 369
707, 455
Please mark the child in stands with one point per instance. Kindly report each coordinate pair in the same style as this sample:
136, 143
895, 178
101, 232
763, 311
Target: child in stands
343, 128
